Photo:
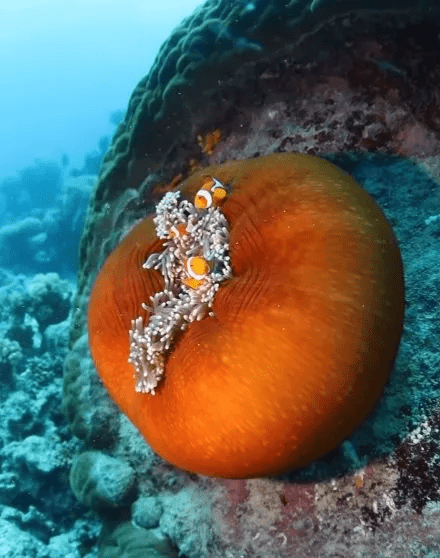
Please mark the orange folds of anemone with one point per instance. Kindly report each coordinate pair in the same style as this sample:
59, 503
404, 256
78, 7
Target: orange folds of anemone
303, 337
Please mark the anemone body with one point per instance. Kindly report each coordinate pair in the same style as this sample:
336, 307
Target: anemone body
303, 336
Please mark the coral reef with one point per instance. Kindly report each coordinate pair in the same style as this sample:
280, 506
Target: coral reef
358, 85
48, 299
126, 539
45, 239
35, 186
93, 418
102, 482
41, 218
38, 514
35, 304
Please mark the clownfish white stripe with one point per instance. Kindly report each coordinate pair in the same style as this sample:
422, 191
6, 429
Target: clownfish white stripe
203, 199
197, 262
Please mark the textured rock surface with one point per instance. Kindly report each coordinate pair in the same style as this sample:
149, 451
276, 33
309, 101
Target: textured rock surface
146, 512
361, 87
126, 539
101, 482
39, 515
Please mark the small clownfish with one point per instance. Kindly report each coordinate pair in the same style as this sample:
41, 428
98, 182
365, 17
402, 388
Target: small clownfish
197, 269
178, 231
211, 193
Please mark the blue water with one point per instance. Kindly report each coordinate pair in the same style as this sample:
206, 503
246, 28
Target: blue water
67, 72
65, 66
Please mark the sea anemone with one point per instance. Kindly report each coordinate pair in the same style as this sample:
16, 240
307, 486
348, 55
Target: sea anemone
293, 346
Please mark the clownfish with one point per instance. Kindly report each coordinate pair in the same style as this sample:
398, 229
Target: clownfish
197, 269
212, 192
177, 231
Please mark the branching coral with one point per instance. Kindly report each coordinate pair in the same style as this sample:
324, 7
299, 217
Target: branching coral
49, 299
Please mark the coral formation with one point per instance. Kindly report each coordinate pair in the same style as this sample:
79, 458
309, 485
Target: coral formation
211, 61
49, 299
11, 356
102, 482
36, 186
35, 304
301, 339
45, 239
207, 143
92, 417
146, 512
125, 539
39, 514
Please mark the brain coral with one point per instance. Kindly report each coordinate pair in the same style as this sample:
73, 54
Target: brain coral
214, 54
303, 335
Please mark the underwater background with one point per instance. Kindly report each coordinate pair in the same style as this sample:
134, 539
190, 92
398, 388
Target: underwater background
105, 104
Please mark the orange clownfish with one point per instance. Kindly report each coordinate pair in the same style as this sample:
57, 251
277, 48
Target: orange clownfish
197, 269
211, 193
177, 231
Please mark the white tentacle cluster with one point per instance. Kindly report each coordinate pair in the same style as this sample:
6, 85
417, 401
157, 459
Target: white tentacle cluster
194, 261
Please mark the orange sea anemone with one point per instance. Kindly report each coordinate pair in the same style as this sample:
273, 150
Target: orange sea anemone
299, 342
